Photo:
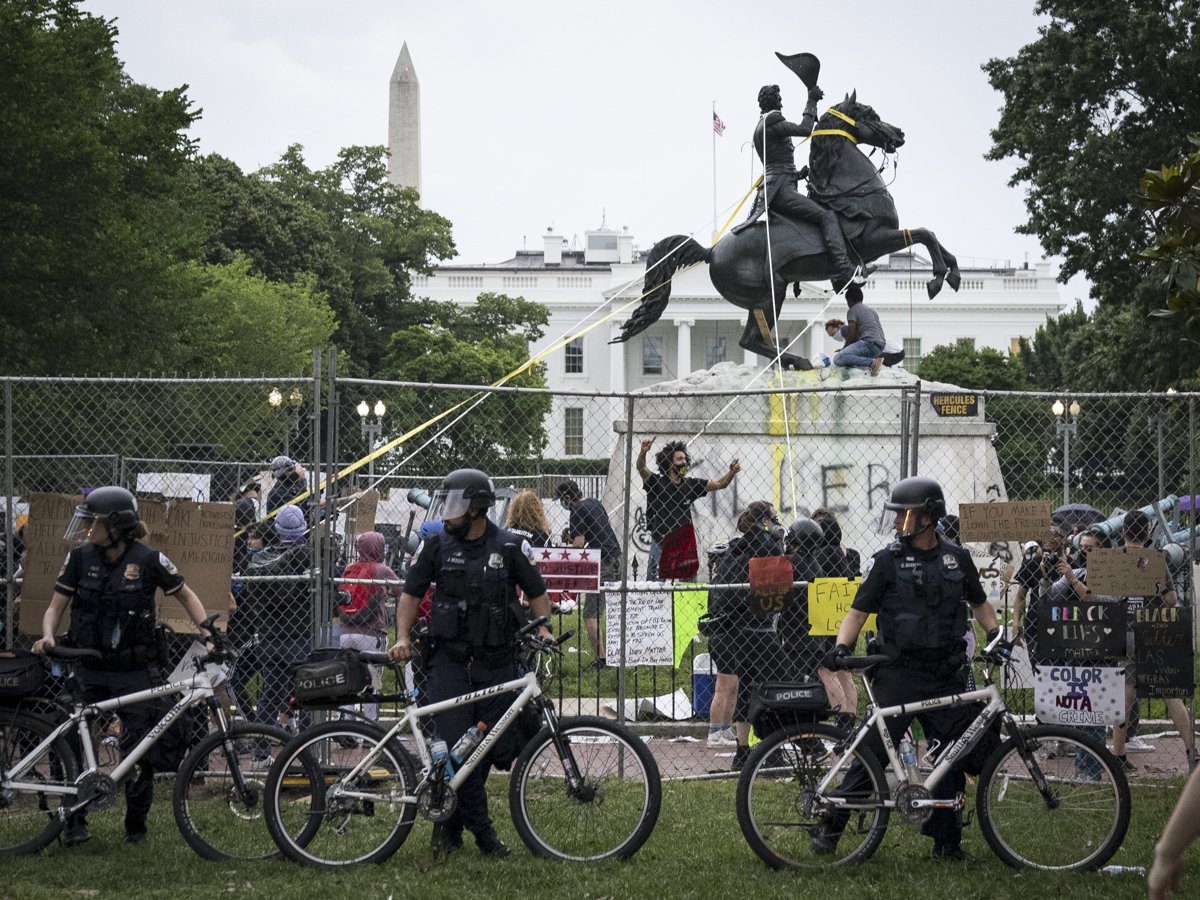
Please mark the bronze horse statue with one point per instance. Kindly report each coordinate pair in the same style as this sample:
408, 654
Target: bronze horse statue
842, 178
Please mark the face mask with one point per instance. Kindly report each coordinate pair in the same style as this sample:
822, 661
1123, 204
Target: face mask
682, 470
460, 530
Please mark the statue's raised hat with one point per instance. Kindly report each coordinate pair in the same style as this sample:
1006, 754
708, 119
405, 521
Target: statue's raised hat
806, 66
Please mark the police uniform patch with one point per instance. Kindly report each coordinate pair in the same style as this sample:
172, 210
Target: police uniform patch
527, 549
495, 561
950, 561
167, 564
132, 572
868, 567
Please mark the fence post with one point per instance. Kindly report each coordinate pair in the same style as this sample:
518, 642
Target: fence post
628, 489
1192, 527
904, 427
916, 429
10, 518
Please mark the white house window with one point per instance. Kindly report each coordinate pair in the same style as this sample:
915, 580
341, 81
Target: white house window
652, 355
574, 351
714, 351
912, 353
573, 431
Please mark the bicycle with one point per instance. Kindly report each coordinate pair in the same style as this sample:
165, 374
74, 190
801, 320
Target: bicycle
50, 771
1038, 805
582, 788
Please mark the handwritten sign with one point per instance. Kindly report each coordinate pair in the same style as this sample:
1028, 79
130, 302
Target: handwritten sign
360, 516
1023, 521
1166, 662
649, 629
1127, 571
49, 515
770, 584
568, 569
1080, 631
951, 405
1079, 695
829, 600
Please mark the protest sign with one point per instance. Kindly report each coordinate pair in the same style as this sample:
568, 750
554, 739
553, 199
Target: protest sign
1166, 662
829, 600
1023, 521
1079, 695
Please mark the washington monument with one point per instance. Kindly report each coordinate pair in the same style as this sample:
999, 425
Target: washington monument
404, 123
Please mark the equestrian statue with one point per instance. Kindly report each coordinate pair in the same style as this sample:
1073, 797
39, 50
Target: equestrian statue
847, 220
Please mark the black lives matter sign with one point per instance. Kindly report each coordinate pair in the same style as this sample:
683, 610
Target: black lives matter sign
1166, 662
1081, 632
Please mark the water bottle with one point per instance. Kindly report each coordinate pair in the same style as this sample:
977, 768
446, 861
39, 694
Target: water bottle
1124, 870
466, 744
441, 756
908, 759
825, 360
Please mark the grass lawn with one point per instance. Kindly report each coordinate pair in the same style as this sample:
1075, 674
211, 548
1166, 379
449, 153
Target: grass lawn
696, 851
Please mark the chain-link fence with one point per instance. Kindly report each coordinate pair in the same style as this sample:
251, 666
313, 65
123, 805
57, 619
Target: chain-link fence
655, 646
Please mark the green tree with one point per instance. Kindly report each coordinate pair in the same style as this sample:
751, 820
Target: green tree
380, 238
442, 343
1106, 91
1172, 195
965, 365
95, 209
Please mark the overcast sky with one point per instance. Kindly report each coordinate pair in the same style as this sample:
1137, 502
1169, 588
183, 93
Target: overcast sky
560, 114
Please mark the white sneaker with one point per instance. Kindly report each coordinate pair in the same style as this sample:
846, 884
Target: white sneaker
726, 737
1137, 745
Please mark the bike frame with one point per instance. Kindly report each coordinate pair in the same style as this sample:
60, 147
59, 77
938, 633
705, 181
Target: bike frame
529, 690
193, 691
878, 718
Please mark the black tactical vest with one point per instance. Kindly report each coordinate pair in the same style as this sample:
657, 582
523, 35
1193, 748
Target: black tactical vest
475, 596
113, 608
926, 617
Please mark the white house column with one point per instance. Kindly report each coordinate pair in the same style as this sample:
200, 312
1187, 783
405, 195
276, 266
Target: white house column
750, 358
683, 336
616, 361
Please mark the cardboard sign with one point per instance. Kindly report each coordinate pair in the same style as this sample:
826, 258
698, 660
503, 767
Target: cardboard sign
829, 600
49, 515
568, 569
1166, 662
1080, 631
1127, 571
770, 584
1023, 521
649, 629
950, 405
360, 515
1079, 695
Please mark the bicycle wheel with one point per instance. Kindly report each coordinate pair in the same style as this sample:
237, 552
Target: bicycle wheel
1060, 811
613, 810
319, 816
788, 821
29, 816
218, 797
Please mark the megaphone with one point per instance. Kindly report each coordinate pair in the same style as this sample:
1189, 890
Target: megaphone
419, 498
1111, 527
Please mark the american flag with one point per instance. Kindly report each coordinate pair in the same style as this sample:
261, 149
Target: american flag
718, 125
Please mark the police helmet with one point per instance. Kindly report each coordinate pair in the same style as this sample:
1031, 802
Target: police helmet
914, 497
112, 505
464, 489
805, 533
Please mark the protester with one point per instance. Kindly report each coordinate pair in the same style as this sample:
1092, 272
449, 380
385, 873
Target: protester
364, 616
589, 527
864, 335
527, 517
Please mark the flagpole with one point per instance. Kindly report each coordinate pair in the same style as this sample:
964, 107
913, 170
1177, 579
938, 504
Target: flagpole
714, 171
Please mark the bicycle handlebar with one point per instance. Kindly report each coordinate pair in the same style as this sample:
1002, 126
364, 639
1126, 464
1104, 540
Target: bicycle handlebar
70, 653
864, 662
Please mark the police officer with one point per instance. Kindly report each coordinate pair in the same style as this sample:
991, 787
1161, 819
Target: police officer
477, 568
110, 581
920, 587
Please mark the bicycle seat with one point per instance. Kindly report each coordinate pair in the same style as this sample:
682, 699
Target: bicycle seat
71, 653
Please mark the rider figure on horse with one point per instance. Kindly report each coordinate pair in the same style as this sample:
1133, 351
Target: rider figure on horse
773, 142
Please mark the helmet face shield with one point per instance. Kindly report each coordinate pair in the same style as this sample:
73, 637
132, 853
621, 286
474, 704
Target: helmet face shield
450, 504
908, 522
80, 524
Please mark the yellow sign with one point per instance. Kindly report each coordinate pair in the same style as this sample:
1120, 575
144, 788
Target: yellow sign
829, 600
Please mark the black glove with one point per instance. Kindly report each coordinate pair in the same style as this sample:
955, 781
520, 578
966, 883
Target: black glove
833, 659
815, 94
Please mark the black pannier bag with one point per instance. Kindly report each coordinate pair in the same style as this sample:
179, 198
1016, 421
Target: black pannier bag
331, 677
776, 705
21, 674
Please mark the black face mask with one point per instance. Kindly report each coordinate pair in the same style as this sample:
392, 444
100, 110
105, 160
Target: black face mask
459, 531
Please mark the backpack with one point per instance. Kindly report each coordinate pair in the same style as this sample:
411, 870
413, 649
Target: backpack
364, 605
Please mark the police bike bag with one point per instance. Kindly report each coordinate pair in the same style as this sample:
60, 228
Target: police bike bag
21, 674
776, 705
331, 677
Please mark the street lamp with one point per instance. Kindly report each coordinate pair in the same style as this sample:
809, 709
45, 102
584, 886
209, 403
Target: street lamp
1066, 430
295, 402
372, 431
